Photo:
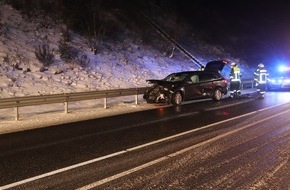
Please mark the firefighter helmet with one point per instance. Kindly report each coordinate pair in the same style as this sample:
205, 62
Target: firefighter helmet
261, 65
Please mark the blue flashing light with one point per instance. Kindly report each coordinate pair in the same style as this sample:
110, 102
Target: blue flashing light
282, 68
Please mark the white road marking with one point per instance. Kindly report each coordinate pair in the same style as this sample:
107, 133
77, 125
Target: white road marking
142, 146
111, 178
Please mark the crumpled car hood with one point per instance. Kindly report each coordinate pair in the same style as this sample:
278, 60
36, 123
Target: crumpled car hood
159, 82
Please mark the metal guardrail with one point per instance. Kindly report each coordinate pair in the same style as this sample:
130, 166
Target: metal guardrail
65, 98
247, 84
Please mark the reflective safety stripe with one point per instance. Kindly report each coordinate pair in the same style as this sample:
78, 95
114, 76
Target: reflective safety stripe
233, 91
263, 78
236, 76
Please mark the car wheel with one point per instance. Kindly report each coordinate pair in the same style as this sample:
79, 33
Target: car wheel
176, 98
217, 95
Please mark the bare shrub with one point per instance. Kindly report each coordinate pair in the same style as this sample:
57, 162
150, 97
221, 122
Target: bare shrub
83, 60
67, 52
46, 21
98, 35
44, 54
94, 42
66, 37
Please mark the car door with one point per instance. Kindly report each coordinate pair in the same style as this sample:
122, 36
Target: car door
207, 84
192, 87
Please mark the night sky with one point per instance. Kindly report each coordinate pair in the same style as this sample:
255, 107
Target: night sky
258, 31
252, 30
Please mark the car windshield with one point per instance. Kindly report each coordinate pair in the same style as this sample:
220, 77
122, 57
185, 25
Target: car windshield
176, 77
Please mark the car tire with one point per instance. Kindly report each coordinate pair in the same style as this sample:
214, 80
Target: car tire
217, 94
176, 98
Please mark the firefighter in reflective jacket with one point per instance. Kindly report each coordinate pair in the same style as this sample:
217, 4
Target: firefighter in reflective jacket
235, 80
260, 77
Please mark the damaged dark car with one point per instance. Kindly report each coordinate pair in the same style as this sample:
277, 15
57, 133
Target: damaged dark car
189, 85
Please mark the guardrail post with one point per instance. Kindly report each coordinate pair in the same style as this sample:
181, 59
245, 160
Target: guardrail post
16, 113
136, 99
16, 103
105, 103
65, 107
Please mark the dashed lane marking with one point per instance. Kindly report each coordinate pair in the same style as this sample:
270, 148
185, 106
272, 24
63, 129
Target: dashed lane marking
142, 146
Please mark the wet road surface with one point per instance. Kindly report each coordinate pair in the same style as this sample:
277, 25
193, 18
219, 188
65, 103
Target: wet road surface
230, 144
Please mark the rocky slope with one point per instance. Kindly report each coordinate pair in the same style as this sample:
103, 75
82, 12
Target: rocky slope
120, 63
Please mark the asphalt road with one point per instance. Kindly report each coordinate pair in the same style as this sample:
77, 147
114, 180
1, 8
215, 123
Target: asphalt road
233, 144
